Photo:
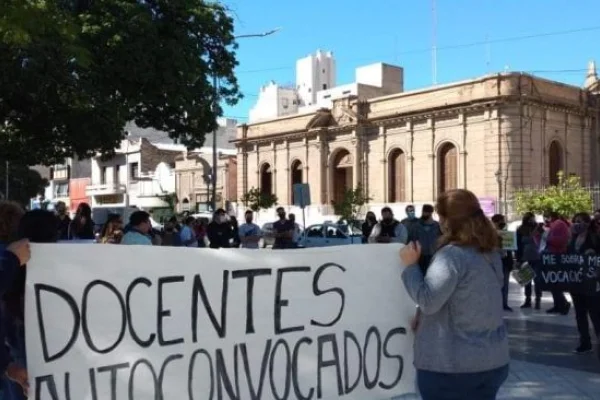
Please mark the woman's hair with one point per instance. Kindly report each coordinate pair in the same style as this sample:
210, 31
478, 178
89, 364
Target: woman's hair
583, 216
526, 228
39, 226
83, 210
464, 223
110, 220
10, 215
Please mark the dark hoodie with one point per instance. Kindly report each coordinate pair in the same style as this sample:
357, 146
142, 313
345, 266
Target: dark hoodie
9, 268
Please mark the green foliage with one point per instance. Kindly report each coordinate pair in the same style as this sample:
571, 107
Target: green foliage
566, 198
351, 205
256, 201
23, 183
171, 200
74, 72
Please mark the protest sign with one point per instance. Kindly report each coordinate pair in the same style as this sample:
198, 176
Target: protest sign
133, 322
569, 272
509, 240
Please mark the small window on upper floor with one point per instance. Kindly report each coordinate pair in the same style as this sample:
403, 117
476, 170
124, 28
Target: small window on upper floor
285, 103
323, 70
324, 86
327, 96
309, 90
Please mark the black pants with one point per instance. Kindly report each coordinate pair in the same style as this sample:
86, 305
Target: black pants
560, 301
586, 305
505, 286
532, 287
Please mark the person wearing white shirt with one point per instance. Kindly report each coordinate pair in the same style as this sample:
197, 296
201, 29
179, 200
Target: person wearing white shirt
297, 232
388, 230
249, 232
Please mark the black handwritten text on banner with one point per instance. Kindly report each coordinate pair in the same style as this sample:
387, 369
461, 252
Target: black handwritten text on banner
158, 323
569, 272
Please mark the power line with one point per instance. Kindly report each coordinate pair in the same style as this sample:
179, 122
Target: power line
458, 46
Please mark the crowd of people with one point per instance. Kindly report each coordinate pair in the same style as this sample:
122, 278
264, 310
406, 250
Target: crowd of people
452, 268
559, 235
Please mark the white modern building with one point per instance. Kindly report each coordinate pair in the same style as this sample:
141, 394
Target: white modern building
225, 134
274, 101
140, 175
316, 87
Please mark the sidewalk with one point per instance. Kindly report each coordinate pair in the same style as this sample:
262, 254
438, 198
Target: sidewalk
543, 366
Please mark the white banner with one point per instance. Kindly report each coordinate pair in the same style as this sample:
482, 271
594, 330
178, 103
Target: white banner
132, 322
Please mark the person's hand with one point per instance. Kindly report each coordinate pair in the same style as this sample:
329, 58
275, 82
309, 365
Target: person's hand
18, 374
21, 249
410, 253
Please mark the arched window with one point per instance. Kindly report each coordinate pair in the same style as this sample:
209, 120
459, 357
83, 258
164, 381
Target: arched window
266, 179
447, 168
296, 176
396, 176
555, 161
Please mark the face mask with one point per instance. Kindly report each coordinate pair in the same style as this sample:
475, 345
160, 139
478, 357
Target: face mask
579, 228
410, 214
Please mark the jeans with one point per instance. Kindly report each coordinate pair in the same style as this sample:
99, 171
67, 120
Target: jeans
470, 386
585, 305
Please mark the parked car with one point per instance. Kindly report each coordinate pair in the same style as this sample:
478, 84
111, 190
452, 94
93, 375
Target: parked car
267, 235
329, 234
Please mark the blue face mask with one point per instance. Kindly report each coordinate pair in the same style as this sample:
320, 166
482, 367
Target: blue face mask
410, 214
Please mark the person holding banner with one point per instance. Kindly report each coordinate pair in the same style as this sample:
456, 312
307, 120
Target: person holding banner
461, 342
13, 256
584, 241
554, 240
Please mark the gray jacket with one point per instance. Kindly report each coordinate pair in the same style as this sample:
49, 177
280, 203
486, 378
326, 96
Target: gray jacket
461, 329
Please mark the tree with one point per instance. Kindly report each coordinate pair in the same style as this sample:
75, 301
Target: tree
74, 72
351, 204
23, 183
171, 200
255, 200
567, 198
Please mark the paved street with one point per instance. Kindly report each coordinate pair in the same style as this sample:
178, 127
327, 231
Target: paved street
543, 365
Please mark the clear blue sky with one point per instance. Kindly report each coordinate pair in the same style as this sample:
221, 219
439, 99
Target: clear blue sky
400, 32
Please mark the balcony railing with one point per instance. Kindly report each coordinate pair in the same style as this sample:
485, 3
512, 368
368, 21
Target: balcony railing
105, 189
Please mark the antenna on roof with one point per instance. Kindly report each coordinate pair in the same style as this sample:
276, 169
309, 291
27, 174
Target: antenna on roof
488, 53
434, 43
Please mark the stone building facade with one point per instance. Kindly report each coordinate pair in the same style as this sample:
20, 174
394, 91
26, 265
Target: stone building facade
193, 179
490, 135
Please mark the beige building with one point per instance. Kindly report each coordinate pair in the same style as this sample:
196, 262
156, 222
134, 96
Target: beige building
193, 179
490, 135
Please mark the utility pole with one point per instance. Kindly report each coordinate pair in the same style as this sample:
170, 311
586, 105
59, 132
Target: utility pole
215, 156
434, 42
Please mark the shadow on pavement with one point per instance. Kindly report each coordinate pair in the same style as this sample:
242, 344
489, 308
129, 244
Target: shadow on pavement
548, 344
